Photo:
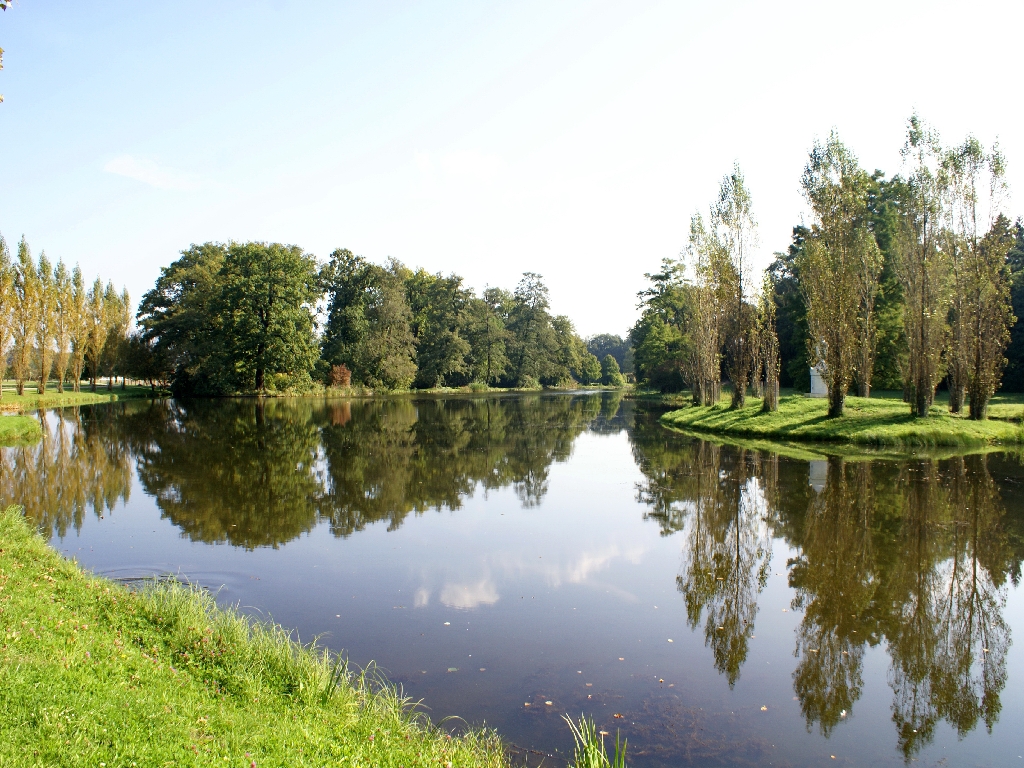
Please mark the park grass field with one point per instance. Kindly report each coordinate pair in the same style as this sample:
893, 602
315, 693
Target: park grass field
93, 674
18, 429
32, 400
880, 421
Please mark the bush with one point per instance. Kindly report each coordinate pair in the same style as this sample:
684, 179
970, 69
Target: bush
340, 376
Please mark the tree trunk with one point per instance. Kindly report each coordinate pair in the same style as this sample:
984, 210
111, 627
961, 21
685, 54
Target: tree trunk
259, 379
956, 396
739, 392
921, 401
865, 389
836, 401
978, 408
770, 404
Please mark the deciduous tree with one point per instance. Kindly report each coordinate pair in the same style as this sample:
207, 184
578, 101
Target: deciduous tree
838, 266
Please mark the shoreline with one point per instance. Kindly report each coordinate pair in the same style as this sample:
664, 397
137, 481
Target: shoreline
868, 423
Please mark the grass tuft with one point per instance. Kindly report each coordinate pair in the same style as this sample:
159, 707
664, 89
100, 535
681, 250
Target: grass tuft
590, 751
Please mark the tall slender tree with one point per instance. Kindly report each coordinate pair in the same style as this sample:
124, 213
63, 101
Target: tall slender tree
976, 239
7, 302
78, 327
26, 314
46, 319
97, 331
711, 288
63, 321
839, 261
736, 232
922, 267
767, 340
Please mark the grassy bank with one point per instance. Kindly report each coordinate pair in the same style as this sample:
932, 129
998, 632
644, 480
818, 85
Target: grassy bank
94, 674
51, 398
873, 422
19, 429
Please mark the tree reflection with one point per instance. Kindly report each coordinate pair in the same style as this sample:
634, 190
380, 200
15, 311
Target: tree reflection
70, 471
256, 473
243, 472
400, 456
834, 580
911, 556
723, 510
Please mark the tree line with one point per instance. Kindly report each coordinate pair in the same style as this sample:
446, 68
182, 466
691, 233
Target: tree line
909, 282
257, 317
52, 326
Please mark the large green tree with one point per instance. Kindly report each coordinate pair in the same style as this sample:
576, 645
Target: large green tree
369, 321
267, 300
235, 318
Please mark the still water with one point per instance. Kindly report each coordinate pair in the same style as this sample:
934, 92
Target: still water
511, 559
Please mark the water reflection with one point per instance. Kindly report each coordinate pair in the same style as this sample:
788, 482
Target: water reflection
912, 555
81, 465
914, 559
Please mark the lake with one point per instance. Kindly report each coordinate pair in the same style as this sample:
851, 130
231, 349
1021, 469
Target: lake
510, 559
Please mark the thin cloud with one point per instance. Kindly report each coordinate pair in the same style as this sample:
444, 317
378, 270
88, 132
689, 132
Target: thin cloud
150, 173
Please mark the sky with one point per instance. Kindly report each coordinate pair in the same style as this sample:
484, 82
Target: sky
572, 139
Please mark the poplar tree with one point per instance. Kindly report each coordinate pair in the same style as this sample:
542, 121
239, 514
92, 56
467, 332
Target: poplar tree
922, 268
111, 332
96, 330
46, 319
767, 341
736, 233
973, 185
78, 327
25, 316
838, 270
63, 319
7, 299
708, 259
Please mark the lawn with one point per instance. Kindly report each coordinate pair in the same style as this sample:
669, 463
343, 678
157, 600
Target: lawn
32, 399
19, 429
93, 674
881, 421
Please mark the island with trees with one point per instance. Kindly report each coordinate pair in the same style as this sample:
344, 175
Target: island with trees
908, 284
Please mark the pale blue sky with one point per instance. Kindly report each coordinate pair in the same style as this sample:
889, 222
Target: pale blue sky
574, 139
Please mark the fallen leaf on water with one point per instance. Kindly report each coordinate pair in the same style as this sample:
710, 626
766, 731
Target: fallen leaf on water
984, 650
670, 639
603, 733
589, 696
526, 704
764, 709
621, 659
483, 669
453, 669
660, 680
618, 715
447, 623
548, 703
590, 685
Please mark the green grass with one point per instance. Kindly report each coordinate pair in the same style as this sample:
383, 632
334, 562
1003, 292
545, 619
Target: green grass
32, 399
871, 422
92, 674
16, 430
